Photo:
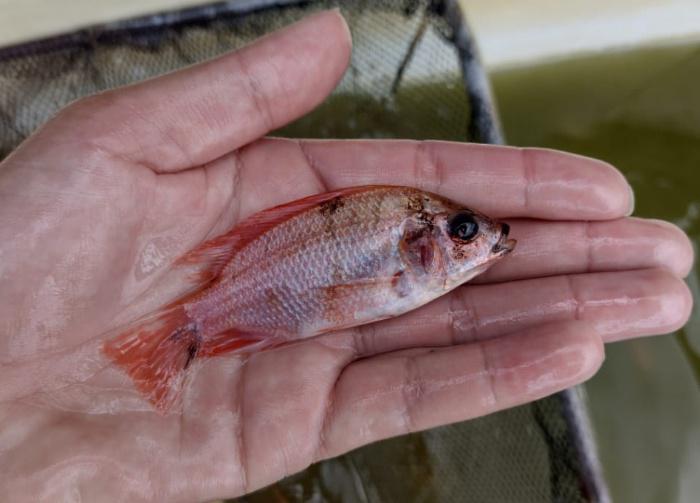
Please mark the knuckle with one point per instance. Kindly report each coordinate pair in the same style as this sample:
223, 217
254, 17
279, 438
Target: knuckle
462, 318
428, 170
413, 392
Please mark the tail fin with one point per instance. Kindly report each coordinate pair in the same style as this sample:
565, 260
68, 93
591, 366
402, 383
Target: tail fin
155, 352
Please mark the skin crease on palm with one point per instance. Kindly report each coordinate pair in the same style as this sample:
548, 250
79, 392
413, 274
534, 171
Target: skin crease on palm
98, 203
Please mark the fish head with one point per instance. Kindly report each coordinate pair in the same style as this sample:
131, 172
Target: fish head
471, 243
455, 243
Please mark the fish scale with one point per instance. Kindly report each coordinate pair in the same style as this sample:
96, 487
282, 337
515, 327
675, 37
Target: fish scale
359, 261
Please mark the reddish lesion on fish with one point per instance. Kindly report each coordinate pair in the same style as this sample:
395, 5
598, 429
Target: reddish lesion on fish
274, 299
400, 284
361, 294
418, 249
462, 251
333, 304
414, 203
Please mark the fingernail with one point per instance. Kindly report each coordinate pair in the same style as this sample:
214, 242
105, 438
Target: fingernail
631, 210
346, 26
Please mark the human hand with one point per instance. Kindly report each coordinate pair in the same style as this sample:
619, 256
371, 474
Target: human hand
98, 204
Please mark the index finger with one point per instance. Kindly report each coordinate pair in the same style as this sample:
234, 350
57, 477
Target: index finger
500, 181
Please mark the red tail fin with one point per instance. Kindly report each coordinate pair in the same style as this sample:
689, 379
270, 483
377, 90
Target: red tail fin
155, 352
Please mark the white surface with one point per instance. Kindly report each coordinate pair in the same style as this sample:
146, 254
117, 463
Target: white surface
509, 32
22, 20
516, 32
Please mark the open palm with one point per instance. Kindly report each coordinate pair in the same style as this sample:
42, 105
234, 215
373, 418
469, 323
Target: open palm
98, 204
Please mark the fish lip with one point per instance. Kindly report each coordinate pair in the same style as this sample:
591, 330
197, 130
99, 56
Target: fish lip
504, 245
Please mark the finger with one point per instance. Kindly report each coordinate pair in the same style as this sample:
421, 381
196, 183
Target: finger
619, 305
550, 248
192, 116
414, 390
500, 181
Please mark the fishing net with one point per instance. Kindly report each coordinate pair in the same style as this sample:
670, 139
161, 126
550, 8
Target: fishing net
413, 74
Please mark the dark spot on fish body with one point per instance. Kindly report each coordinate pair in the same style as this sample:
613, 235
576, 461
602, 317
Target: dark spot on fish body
426, 256
426, 220
417, 249
416, 207
415, 203
335, 228
328, 211
189, 334
274, 300
333, 301
331, 206
191, 353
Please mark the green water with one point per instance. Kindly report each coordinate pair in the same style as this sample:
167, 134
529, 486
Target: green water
641, 112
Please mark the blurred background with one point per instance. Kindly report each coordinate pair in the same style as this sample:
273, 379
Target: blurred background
614, 80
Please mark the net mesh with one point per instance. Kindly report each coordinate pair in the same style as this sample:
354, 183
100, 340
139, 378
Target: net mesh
527, 454
429, 101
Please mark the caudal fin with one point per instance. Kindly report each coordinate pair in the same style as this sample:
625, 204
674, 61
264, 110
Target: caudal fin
155, 352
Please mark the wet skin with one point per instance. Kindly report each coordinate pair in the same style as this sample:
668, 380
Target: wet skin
97, 205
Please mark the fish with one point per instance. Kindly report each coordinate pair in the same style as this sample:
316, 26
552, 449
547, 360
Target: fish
323, 263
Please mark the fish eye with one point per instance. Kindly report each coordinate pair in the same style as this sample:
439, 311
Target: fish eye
462, 226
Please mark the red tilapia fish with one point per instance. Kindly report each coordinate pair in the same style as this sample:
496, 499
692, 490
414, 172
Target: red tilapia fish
322, 263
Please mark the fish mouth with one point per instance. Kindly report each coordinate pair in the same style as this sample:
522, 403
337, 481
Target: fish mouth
504, 245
